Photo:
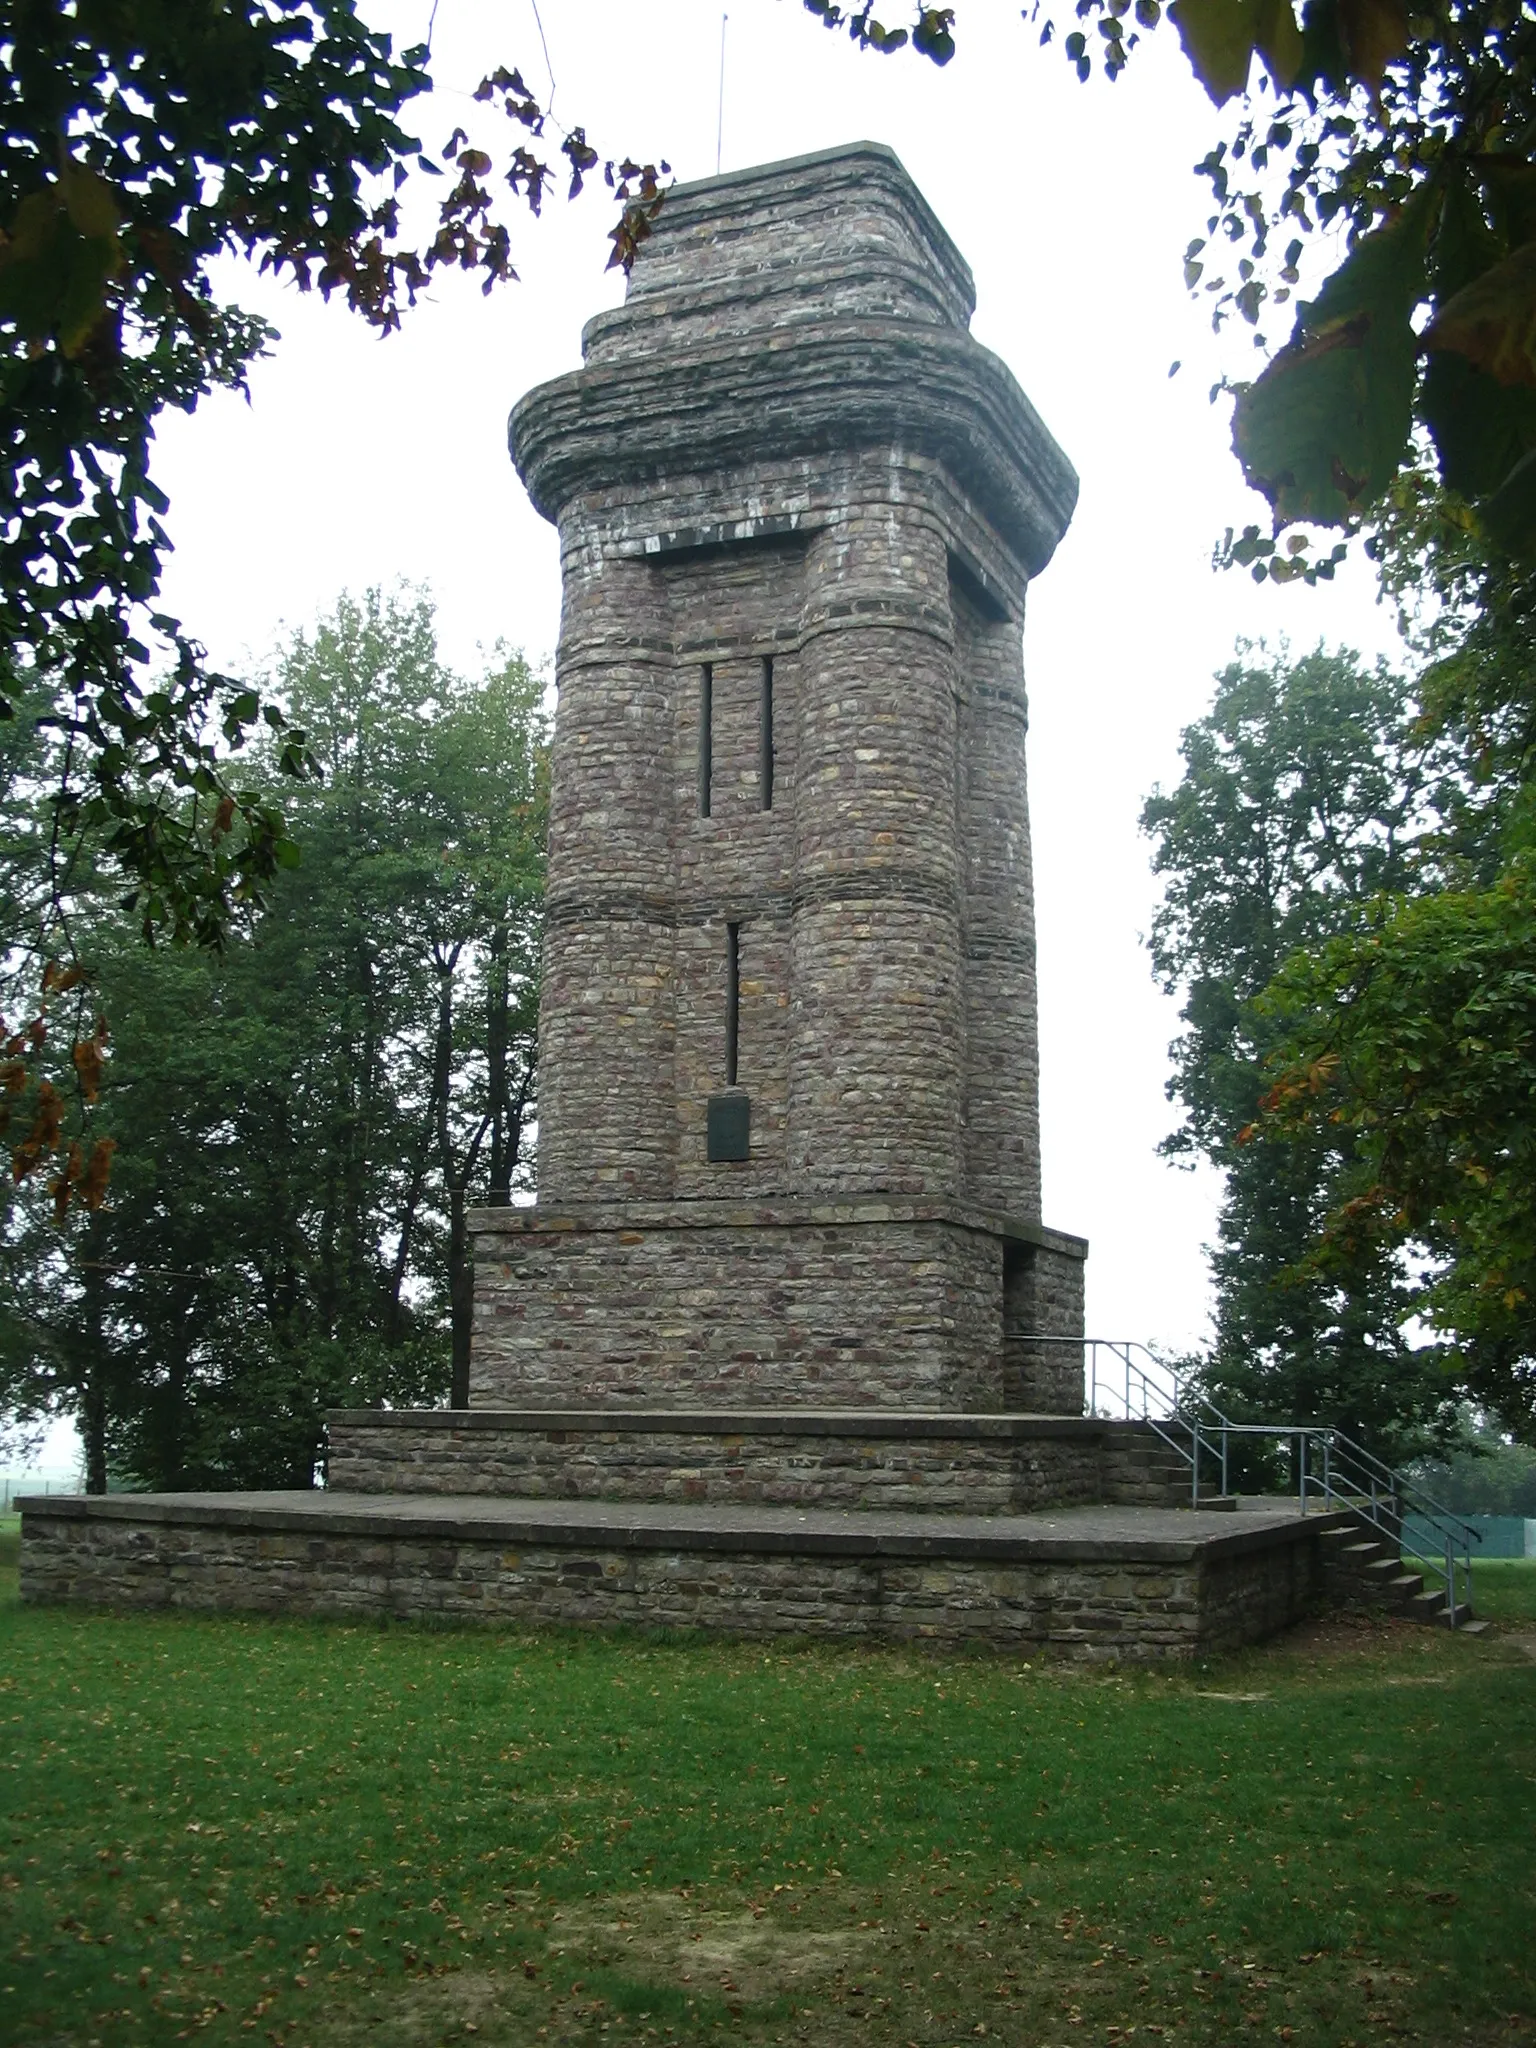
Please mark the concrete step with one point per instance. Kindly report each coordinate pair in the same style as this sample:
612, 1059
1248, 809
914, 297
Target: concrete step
1428, 1605
1373, 1563
1383, 1569
1406, 1585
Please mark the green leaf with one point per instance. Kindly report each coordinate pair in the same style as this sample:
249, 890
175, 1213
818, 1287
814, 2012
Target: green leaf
1375, 33
92, 261
32, 264
1323, 430
1509, 516
1492, 320
1464, 245
53, 273
1280, 42
1219, 38
91, 202
1481, 429
1510, 185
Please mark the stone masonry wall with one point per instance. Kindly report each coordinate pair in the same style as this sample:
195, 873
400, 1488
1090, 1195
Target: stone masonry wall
1002, 1058
745, 1462
607, 1127
877, 1025
1043, 1296
652, 1307
736, 612
1121, 1609
833, 486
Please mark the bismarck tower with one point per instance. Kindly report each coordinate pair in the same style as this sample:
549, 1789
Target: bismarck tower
783, 1349
788, 1085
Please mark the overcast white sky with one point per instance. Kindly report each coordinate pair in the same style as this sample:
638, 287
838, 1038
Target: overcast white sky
359, 461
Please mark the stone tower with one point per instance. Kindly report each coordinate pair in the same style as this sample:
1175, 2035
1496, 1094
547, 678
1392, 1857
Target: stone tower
788, 1124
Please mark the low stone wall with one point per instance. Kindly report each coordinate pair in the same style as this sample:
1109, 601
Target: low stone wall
947, 1465
1084, 1606
1070, 1599
838, 1305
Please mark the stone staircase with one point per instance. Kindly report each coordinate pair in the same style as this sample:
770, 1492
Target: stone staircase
1363, 1569
1151, 1473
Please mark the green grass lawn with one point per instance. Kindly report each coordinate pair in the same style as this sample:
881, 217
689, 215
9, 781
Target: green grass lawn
228, 1830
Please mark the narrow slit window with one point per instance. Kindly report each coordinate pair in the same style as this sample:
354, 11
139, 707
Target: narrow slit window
732, 1000
765, 735
706, 733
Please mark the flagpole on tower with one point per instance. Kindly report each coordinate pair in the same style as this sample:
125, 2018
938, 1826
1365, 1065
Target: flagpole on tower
720, 120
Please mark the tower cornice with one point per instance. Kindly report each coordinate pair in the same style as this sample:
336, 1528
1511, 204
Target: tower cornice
803, 391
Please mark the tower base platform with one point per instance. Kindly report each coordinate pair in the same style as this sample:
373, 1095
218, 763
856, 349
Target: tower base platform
1127, 1584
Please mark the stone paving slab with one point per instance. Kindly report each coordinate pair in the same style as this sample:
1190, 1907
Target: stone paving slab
1101, 1534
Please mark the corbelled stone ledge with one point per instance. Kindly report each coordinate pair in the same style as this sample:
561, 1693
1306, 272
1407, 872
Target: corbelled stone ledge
1127, 1583
781, 1214
906, 1425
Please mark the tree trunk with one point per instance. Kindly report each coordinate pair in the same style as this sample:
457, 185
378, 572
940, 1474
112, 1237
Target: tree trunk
453, 1183
173, 1433
461, 1296
93, 1403
503, 1137
394, 1317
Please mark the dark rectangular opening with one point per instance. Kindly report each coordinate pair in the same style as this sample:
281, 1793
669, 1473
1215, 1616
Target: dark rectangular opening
706, 733
732, 1000
728, 1128
765, 735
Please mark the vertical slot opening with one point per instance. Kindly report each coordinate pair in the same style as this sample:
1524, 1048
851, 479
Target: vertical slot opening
706, 733
765, 735
732, 1000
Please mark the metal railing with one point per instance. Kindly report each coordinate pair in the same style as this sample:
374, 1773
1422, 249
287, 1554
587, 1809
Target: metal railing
1126, 1381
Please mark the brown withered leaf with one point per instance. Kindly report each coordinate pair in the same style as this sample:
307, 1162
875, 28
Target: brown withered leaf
62, 1186
89, 1056
43, 1138
57, 977
98, 1172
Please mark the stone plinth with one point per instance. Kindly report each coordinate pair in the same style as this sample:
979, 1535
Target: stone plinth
1128, 1585
834, 1304
716, 1457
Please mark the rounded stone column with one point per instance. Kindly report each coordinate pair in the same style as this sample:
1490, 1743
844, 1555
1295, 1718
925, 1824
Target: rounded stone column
876, 1022
606, 1126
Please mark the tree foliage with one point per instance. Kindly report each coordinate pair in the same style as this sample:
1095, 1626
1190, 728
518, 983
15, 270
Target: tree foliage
1416, 1037
300, 1118
1306, 793
1413, 1031
1410, 129
141, 141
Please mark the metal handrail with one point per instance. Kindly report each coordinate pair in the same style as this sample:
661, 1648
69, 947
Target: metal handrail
1152, 1391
